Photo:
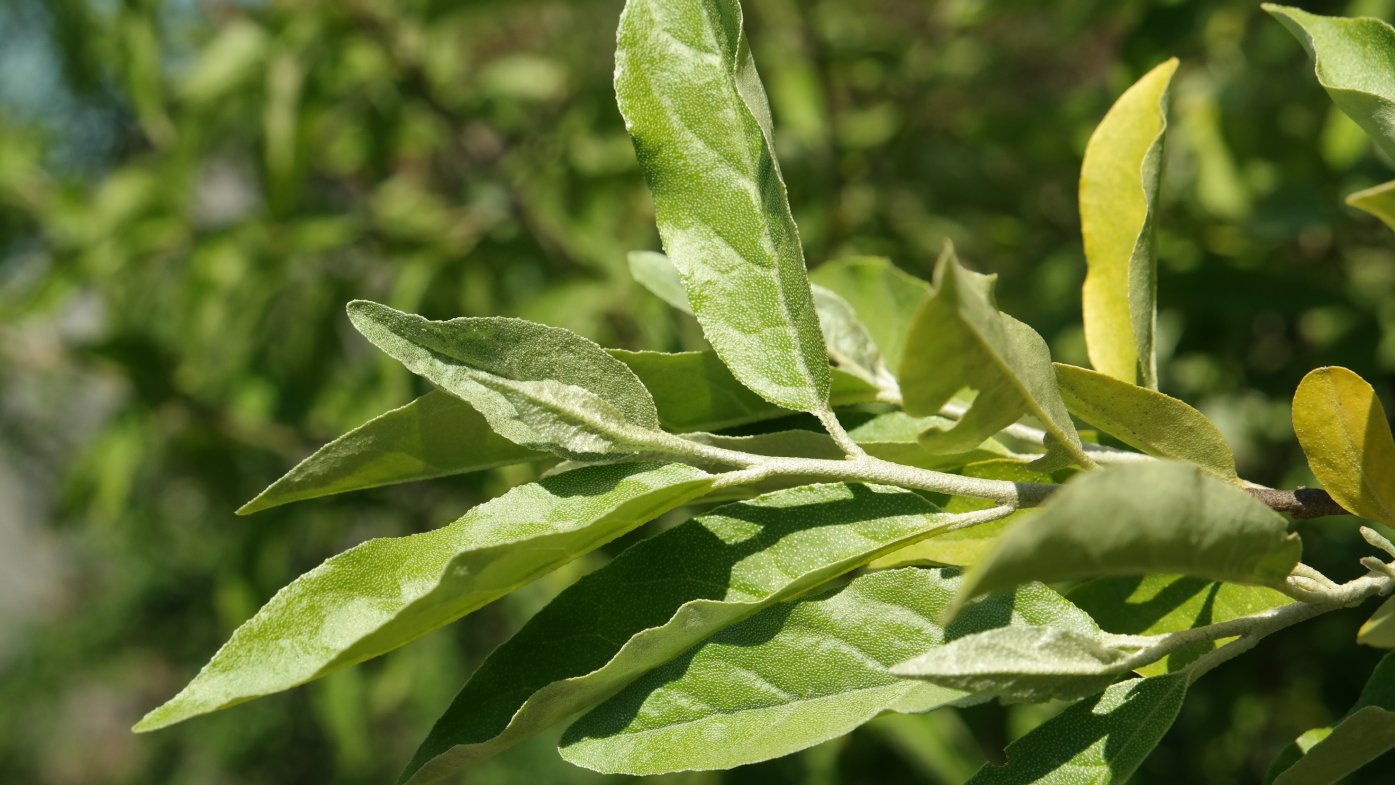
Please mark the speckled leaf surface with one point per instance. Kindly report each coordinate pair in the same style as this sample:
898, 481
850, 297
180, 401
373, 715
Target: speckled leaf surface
661, 597
697, 113
384, 593
541, 387
796, 674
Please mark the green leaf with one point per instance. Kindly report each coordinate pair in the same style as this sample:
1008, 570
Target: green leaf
1323, 756
1135, 519
884, 298
694, 391
700, 122
1160, 604
436, 435
661, 597
894, 436
1342, 427
959, 339
1147, 420
1378, 200
796, 674
968, 546
1029, 663
655, 272
849, 344
541, 387
1095, 742
1379, 630
385, 593
1118, 191
1354, 60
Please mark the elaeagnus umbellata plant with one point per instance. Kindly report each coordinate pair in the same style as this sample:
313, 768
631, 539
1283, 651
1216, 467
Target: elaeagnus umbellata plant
921, 524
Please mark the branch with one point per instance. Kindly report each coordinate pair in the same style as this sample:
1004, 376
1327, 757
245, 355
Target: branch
1302, 503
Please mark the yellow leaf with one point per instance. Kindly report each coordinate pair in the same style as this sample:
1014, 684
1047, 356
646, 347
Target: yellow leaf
1342, 427
1118, 189
1379, 630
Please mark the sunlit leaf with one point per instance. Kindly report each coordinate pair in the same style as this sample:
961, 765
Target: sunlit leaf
656, 273
700, 122
385, 593
1118, 190
884, 298
1145, 419
1378, 200
796, 674
849, 344
1342, 427
1379, 630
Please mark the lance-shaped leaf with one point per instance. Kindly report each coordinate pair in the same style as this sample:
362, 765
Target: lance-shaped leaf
1354, 60
695, 392
1028, 663
656, 273
661, 597
1379, 630
541, 387
1145, 419
436, 435
1100, 741
697, 113
884, 298
1118, 191
1160, 604
959, 339
1324, 756
1135, 519
1342, 427
796, 674
1378, 200
385, 593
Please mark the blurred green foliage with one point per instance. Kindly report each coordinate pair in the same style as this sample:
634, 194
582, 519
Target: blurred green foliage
190, 192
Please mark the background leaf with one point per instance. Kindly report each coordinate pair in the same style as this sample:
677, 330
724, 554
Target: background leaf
698, 115
655, 272
436, 435
1118, 190
1341, 424
1145, 419
541, 387
795, 674
883, 296
715, 570
385, 593
1099, 741
1135, 519
1378, 200
1379, 630
1323, 756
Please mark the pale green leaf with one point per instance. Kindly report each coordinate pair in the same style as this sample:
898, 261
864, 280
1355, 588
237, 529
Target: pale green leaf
694, 391
655, 272
1354, 60
959, 339
1145, 419
1324, 756
1378, 200
1342, 427
436, 435
1379, 630
849, 344
541, 387
1098, 741
661, 597
884, 298
385, 593
698, 116
794, 675
1028, 663
1118, 192
1141, 518
1160, 604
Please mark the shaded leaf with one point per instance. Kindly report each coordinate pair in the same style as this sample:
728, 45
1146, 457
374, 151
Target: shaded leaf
1379, 630
1342, 427
661, 597
884, 297
436, 435
385, 593
542, 387
959, 339
794, 675
1159, 604
1323, 756
849, 344
655, 272
1145, 419
1134, 519
700, 122
1098, 741
1118, 190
